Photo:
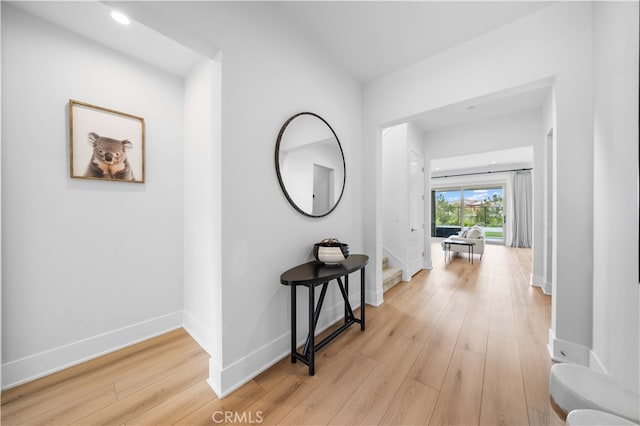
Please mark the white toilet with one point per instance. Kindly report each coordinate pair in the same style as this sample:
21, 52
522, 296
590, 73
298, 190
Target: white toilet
574, 387
596, 418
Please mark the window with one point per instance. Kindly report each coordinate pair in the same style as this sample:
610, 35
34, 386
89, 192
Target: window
445, 216
456, 208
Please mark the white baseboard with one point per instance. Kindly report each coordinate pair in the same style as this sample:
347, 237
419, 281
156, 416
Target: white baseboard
240, 372
565, 351
215, 377
428, 264
374, 297
225, 380
538, 281
32, 367
198, 331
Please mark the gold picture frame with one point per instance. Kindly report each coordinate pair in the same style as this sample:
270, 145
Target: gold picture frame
105, 144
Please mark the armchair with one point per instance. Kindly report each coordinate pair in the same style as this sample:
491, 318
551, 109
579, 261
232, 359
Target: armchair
475, 235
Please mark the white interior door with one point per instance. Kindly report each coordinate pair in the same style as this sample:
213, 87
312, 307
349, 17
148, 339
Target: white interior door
416, 215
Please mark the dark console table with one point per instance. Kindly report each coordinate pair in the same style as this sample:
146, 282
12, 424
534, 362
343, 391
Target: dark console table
310, 275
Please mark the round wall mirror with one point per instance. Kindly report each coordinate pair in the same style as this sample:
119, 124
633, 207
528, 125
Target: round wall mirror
310, 164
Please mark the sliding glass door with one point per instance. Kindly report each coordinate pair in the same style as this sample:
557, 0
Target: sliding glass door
456, 208
446, 213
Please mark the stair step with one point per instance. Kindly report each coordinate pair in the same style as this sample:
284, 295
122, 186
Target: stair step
385, 262
391, 277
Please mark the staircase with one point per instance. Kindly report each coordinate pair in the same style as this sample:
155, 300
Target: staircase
390, 276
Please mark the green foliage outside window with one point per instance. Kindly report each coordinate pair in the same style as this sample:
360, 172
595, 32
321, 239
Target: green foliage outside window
447, 214
489, 213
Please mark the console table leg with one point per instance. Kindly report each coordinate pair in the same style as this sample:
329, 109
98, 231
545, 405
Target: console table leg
362, 299
346, 288
316, 315
312, 342
293, 323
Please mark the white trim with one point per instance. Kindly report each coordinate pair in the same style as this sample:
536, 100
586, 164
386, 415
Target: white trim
215, 377
197, 330
395, 261
373, 297
538, 281
428, 264
33, 367
565, 351
245, 369
225, 380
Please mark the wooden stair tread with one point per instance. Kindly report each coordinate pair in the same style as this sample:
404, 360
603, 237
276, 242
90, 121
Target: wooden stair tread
390, 273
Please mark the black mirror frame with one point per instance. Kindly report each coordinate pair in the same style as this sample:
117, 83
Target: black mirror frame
277, 159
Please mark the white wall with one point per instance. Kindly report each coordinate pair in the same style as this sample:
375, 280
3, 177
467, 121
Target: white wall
616, 292
395, 195
516, 130
202, 209
269, 73
1, 273
554, 42
88, 266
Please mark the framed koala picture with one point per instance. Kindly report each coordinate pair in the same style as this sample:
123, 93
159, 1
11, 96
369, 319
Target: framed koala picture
105, 144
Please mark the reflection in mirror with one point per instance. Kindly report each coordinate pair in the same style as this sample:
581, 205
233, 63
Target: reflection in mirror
310, 164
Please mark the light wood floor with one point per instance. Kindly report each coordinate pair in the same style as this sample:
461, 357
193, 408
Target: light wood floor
459, 344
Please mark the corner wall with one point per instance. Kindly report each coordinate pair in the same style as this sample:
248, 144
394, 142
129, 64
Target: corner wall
202, 209
616, 292
88, 266
270, 72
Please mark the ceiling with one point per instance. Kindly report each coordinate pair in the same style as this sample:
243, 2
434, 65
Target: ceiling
524, 98
91, 20
494, 160
373, 38
368, 38
531, 96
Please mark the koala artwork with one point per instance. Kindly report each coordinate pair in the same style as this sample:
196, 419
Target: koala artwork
109, 159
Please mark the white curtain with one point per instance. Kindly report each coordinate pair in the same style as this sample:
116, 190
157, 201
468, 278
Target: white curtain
522, 210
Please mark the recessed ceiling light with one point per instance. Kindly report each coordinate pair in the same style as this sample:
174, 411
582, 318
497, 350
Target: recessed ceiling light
120, 17
471, 107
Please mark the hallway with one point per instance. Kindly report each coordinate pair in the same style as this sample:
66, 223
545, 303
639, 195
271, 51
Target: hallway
459, 344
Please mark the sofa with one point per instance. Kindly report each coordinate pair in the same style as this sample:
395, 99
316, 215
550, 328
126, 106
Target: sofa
475, 235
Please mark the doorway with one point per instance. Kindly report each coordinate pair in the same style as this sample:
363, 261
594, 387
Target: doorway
322, 189
416, 216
